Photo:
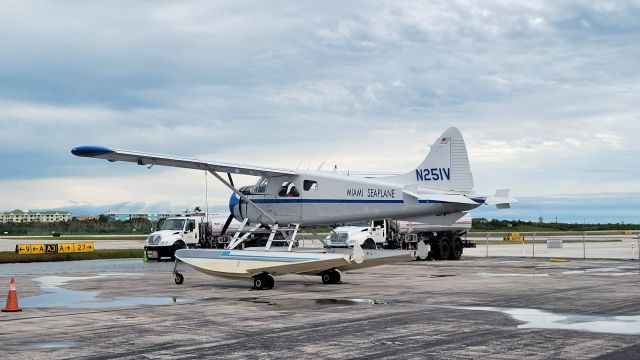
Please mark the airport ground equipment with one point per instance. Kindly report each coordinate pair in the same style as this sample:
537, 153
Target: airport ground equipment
446, 241
189, 231
205, 231
513, 236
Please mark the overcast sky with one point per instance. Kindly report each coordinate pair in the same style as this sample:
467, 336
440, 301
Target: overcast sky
547, 95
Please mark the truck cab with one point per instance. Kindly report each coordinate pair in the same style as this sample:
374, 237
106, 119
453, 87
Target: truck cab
369, 235
174, 234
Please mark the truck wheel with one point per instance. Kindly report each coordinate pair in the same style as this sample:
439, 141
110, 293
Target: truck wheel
456, 251
369, 244
444, 249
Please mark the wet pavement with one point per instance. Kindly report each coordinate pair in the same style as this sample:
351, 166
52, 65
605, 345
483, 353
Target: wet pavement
475, 308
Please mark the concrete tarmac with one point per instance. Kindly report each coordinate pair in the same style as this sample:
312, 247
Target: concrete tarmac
495, 308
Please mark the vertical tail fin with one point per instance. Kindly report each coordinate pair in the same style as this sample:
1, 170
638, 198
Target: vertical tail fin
446, 167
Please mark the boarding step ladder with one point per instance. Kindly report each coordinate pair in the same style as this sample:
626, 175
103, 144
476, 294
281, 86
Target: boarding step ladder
288, 234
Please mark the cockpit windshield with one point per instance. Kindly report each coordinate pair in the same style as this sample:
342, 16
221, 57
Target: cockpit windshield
173, 224
261, 186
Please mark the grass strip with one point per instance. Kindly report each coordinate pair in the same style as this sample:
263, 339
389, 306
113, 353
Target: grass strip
12, 257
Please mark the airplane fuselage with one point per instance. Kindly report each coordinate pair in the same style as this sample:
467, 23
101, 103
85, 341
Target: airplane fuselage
314, 198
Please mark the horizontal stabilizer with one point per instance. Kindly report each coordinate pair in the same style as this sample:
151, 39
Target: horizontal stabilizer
501, 199
440, 198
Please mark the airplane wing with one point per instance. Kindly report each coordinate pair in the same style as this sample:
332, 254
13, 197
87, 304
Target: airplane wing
140, 158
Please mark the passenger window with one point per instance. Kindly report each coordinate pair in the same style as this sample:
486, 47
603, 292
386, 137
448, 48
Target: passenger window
191, 225
262, 186
288, 189
310, 185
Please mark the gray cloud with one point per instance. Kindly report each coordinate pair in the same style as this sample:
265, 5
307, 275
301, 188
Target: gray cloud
545, 93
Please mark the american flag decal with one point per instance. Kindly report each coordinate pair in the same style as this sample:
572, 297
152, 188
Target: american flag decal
444, 140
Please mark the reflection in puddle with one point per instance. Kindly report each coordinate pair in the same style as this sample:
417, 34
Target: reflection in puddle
540, 319
511, 274
56, 296
613, 271
52, 345
59, 297
307, 302
617, 271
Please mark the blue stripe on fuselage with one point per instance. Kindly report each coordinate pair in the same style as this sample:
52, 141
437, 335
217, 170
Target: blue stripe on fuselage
325, 201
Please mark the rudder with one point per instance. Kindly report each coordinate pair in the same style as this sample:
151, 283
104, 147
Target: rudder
446, 167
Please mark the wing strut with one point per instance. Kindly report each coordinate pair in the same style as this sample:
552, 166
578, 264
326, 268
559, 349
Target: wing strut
232, 188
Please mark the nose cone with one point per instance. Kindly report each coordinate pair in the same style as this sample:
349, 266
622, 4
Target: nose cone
234, 200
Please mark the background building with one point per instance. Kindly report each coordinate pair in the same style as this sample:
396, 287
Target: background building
129, 216
34, 216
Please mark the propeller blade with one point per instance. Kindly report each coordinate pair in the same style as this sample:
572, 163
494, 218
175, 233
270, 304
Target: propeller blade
230, 179
226, 225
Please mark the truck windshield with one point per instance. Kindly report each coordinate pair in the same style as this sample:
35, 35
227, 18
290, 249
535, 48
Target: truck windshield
173, 224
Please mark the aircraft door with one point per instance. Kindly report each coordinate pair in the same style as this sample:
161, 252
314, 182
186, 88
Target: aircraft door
190, 230
261, 193
378, 231
288, 206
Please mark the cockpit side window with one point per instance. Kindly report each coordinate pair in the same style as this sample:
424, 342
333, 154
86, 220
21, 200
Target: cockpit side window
288, 189
310, 185
261, 188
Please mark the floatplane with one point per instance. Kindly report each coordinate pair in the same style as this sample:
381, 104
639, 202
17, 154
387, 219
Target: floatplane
438, 192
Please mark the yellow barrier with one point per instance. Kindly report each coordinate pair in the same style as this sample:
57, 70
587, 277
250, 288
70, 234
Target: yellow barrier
513, 236
60, 248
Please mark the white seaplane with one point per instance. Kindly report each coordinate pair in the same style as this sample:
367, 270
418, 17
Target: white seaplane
436, 192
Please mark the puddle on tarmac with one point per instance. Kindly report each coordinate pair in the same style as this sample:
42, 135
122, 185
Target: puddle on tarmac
511, 274
52, 345
612, 271
615, 271
308, 302
57, 296
541, 319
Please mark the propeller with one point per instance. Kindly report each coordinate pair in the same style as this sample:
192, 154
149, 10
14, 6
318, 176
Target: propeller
230, 218
226, 225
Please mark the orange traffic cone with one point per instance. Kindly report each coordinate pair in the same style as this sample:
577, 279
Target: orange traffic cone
12, 298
